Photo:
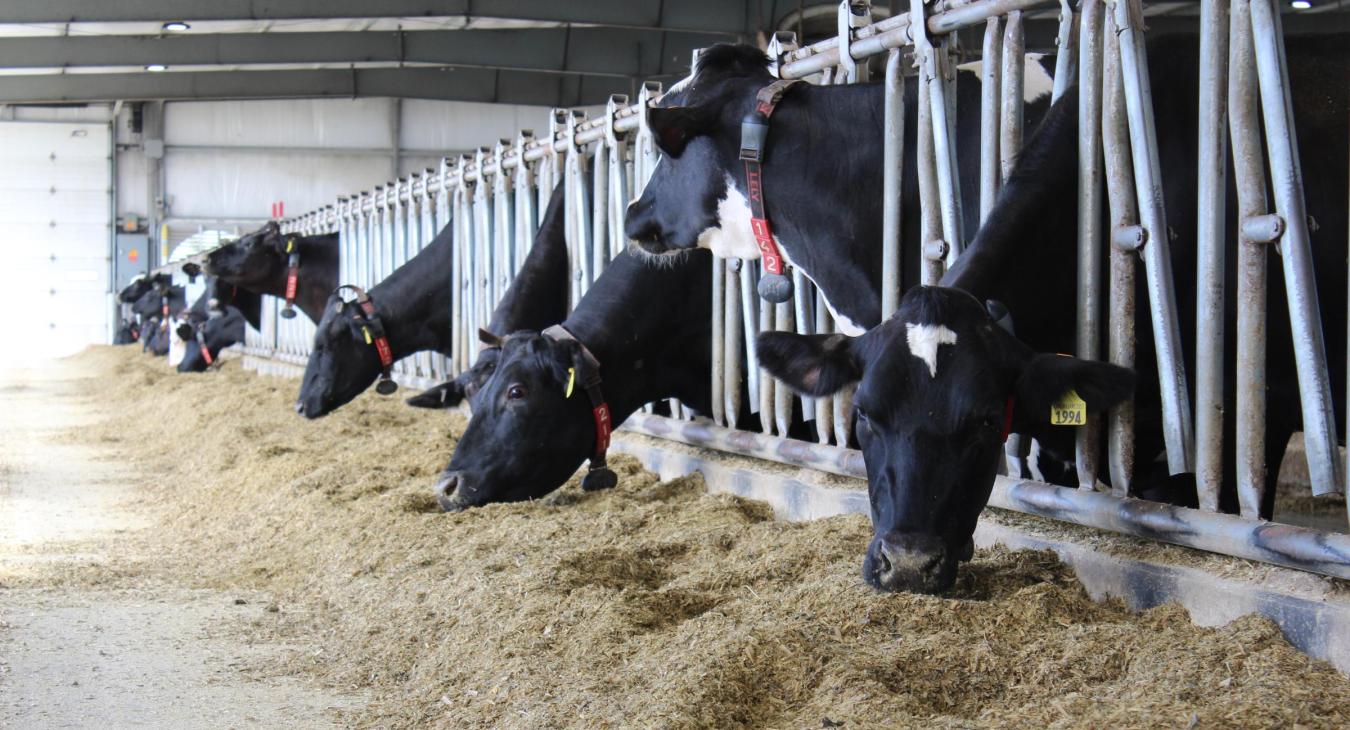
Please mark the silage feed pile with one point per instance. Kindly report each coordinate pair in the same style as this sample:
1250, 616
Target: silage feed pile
656, 604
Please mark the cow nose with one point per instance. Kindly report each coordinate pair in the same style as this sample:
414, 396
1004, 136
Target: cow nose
447, 492
912, 563
639, 225
299, 407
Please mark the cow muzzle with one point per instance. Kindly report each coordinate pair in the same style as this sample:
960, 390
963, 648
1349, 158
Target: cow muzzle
910, 563
448, 492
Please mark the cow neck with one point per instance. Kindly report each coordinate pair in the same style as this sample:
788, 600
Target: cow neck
827, 229
668, 337
414, 301
585, 373
317, 275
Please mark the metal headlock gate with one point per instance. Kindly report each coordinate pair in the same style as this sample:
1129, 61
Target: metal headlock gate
493, 200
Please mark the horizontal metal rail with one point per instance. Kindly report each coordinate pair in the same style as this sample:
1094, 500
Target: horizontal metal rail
1317, 551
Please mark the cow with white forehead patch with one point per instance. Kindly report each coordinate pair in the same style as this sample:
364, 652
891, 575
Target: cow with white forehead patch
822, 177
941, 384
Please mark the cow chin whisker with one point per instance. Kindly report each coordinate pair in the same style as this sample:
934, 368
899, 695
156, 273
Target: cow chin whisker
667, 258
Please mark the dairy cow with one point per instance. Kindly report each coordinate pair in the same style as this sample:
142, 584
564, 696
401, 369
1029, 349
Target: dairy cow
413, 307
940, 381
641, 333
298, 269
821, 176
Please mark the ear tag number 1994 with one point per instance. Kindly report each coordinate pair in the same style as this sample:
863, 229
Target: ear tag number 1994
1069, 410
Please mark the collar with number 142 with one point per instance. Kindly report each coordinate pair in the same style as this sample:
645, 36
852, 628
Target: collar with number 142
774, 285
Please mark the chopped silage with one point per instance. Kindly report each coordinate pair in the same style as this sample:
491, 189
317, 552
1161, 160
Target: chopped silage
656, 604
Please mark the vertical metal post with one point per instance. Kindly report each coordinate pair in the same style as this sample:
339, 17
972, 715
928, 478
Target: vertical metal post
990, 84
803, 296
600, 209
767, 384
933, 250
1064, 60
1305, 317
733, 342
782, 402
719, 348
1010, 125
825, 324
750, 326
1177, 430
893, 172
1210, 243
1124, 213
1087, 439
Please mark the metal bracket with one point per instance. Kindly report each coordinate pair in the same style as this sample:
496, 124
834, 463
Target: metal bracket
851, 14
781, 43
612, 107
1263, 228
1129, 238
936, 250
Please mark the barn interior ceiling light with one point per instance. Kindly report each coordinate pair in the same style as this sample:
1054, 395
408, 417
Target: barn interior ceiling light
1300, 5
156, 67
175, 25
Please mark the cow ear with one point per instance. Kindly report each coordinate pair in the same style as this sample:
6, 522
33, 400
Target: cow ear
488, 339
810, 364
1050, 382
355, 326
445, 395
673, 127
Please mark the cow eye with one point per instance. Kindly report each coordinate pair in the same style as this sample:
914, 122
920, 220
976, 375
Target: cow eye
515, 392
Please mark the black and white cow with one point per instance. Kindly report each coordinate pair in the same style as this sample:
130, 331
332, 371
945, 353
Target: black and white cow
940, 381
648, 325
217, 332
822, 177
413, 305
259, 262
156, 308
220, 315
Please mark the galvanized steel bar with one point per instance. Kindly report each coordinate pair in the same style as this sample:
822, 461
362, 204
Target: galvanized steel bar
933, 252
1064, 56
892, 166
1303, 548
733, 342
1010, 124
1088, 437
991, 84
1305, 317
1177, 430
1124, 213
1210, 244
719, 348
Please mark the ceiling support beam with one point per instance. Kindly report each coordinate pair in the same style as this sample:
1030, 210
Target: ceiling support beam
451, 84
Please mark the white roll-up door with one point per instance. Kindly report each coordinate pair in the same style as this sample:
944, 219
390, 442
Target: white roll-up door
55, 219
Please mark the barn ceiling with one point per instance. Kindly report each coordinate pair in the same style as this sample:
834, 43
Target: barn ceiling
512, 51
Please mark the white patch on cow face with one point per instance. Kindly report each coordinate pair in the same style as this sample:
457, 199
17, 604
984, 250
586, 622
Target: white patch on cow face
731, 237
924, 340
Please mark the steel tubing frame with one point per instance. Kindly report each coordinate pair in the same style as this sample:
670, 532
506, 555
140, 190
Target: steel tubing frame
493, 200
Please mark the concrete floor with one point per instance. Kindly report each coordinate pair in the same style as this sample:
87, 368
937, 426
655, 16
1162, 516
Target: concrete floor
75, 654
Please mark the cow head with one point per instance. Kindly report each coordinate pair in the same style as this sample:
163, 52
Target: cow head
690, 198
451, 394
252, 258
217, 332
341, 364
528, 433
938, 386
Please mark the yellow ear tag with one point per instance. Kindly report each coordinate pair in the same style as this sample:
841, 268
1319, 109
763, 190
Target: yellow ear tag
365, 331
571, 381
1069, 410
290, 245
